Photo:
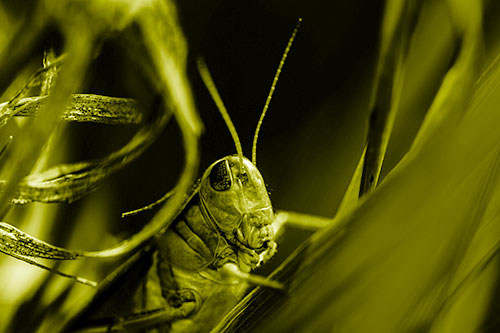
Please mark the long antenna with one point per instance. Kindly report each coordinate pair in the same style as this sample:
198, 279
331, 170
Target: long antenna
271, 91
209, 83
164, 198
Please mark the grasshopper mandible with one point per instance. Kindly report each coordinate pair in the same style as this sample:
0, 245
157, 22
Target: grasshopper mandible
225, 230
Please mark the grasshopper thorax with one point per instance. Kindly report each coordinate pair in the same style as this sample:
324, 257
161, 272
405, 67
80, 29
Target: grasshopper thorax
234, 197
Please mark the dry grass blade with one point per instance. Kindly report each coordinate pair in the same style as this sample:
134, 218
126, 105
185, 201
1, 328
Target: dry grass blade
13, 240
85, 108
49, 57
9, 109
27, 260
72, 181
22, 246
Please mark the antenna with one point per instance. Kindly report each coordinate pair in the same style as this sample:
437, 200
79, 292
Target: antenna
271, 91
164, 198
209, 83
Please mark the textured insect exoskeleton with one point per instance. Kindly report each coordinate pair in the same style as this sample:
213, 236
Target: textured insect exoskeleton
236, 199
235, 205
225, 232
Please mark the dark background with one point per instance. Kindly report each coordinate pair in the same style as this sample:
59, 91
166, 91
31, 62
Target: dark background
314, 131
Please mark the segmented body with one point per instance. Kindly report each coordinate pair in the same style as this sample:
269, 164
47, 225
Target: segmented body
186, 271
180, 282
194, 243
212, 232
170, 286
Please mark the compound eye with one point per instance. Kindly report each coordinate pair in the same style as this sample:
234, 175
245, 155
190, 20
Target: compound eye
220, 176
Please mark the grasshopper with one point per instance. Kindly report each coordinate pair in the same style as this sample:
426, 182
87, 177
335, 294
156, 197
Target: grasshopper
202, 263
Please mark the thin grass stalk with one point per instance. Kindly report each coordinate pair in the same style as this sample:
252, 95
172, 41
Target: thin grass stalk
395, 40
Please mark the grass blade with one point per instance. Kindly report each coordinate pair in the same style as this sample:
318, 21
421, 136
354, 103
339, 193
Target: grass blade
398, 25
13, 240
451, 100
84, 108
69, 182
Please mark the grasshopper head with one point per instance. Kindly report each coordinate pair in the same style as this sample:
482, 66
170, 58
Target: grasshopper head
232, 192
235, 198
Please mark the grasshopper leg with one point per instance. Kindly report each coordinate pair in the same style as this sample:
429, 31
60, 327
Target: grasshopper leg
170, 290
156, 317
